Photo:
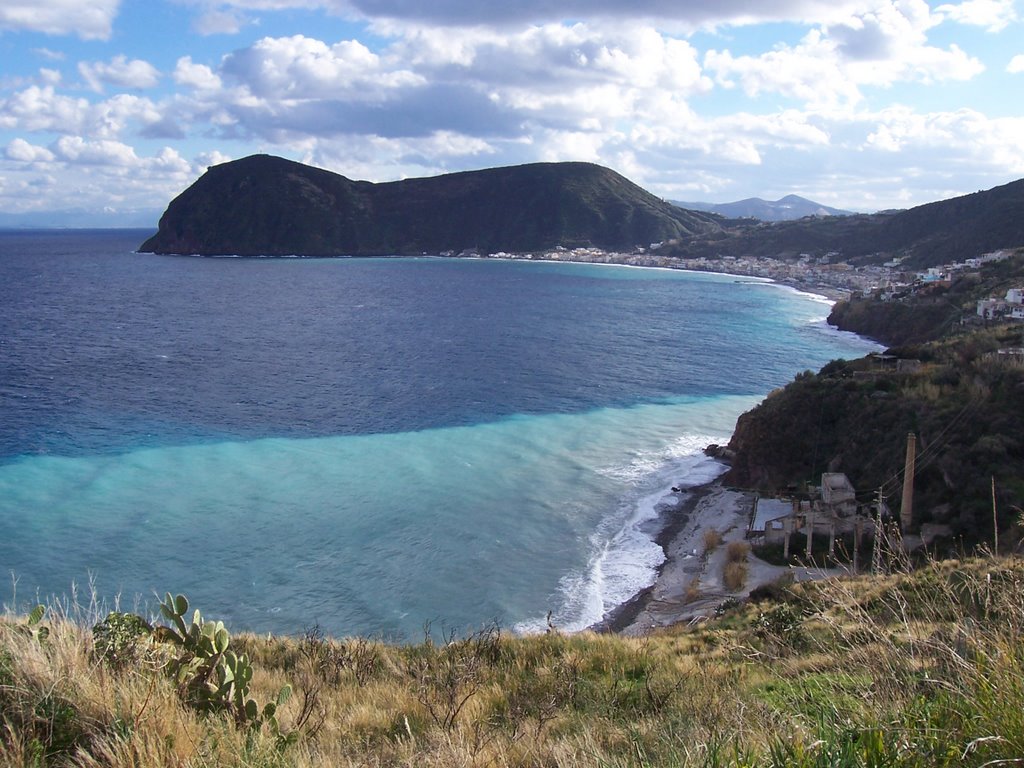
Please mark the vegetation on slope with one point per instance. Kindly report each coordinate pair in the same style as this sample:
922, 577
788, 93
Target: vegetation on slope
914, 669
963, 403
263, 205
945, 382
930, 314
928, 235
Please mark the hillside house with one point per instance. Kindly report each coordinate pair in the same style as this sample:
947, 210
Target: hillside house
933, 275
991, 308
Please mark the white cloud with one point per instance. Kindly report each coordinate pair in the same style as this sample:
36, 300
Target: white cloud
117, 157
949, 138
49, 76
75, 149
89, 20
994, 15
300, 67
691, 14
52, 55
451, 84
810, 73
207, 159
832, 64
41, 108
454, 82
119, 71
220, 22
94, 175
22, 151
198, 76
1016, 65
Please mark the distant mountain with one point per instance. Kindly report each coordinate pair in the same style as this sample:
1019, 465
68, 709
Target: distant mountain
264, 205
936, 233
786, 209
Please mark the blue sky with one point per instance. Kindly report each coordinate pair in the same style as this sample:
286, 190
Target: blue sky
116, 106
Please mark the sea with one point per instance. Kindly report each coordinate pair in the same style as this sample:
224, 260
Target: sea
369, 446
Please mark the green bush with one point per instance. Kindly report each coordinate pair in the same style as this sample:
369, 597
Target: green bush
117, 639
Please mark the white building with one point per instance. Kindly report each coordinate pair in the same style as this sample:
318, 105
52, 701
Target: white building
991, 308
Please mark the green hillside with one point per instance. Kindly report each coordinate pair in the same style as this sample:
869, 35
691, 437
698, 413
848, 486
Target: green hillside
928, 235
263, 205
945, 381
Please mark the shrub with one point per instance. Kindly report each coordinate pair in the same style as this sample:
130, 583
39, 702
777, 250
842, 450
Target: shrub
692, 590
712, 539
734, 575
782, 626
118, 639
737, 551
209, 676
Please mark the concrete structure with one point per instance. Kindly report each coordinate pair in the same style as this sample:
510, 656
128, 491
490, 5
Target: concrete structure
837, 494
832, 508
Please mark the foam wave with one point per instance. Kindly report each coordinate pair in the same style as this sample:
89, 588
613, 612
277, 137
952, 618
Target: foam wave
624, 553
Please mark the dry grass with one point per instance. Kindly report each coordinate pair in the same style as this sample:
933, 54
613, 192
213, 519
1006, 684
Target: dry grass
734, 575
712, 540
737, 551
692, 592
918, 669
734, 570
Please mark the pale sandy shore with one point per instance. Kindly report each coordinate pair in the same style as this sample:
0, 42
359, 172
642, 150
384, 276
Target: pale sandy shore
673, 598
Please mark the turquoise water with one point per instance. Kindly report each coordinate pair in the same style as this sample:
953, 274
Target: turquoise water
551, 409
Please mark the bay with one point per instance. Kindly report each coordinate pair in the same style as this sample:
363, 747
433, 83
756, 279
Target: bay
365, 444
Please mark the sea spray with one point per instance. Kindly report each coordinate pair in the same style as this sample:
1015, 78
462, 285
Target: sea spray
623, 553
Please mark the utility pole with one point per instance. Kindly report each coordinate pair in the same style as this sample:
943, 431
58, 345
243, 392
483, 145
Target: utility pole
995, 519
856, 542
907, 505
809, 522
876, 552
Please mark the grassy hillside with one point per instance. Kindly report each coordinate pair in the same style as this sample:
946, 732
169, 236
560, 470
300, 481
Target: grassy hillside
264, 205
912, 669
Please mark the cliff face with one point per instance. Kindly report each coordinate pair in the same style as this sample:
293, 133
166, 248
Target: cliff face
265, 205
894, 323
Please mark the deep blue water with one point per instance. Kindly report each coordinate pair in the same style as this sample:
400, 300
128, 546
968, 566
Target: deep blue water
367, 444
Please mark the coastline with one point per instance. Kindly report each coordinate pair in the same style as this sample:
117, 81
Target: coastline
689, 585
673, 520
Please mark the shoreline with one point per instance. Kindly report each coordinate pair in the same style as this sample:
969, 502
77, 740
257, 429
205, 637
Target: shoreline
689, 585
673, 519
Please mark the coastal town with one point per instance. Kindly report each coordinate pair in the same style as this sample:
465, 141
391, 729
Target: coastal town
827, 274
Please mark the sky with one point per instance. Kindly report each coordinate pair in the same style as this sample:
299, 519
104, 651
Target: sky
114, 107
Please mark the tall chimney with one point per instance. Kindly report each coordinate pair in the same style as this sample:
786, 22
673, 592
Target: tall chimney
907, 506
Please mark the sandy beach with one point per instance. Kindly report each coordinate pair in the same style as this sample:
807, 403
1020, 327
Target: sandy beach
689, 585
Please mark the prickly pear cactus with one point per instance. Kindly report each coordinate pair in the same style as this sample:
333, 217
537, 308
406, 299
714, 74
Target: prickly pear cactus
209, 675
